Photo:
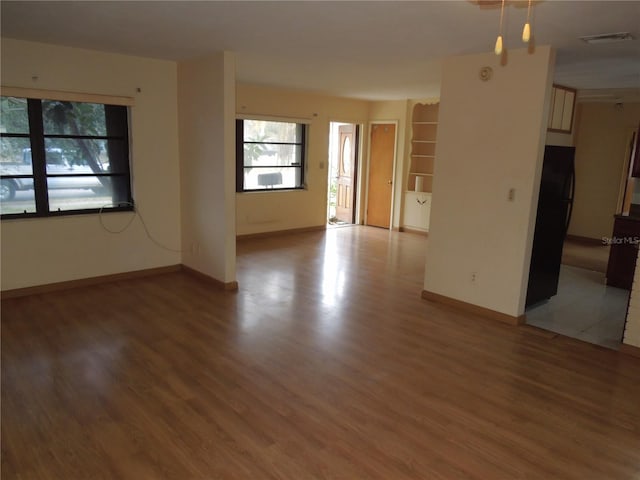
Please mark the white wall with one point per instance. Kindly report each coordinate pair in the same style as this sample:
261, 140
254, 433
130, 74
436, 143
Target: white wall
490, 139
601, 141
632, 328
259, 212
41, 251
206, 95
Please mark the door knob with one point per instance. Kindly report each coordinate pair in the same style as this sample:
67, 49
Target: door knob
389, 182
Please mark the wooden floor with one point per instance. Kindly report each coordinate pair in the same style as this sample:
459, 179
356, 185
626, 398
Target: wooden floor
326, 364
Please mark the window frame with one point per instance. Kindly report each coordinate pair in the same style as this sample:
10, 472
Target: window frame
37, 142
240, 143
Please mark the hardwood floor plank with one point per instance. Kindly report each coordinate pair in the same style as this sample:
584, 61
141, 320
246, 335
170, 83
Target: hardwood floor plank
326, 364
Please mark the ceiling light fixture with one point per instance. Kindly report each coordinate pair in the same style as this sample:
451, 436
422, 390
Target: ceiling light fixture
526, 31
498, 47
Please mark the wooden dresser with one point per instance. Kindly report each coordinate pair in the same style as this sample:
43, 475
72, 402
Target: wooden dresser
624, 251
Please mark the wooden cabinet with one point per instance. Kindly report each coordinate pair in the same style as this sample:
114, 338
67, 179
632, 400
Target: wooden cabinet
417, 209
624, 251
424, 128
563, 102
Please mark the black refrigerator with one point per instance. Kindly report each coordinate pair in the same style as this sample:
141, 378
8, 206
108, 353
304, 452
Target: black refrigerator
555, 204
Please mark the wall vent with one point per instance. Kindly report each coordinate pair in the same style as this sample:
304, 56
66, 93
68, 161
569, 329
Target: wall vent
607, 38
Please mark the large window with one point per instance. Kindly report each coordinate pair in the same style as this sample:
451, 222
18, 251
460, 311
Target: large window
270, 155
62, 157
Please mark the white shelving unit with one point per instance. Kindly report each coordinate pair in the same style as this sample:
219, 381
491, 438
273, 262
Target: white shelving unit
417, 204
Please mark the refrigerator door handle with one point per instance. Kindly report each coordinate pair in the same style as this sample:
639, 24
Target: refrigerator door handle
570, 200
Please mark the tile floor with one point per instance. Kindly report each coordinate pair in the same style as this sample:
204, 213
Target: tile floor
584, 308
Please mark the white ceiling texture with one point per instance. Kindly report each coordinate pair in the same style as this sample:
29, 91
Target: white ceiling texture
364, 49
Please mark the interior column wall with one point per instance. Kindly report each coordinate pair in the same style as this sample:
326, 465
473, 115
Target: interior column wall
490, 140
206, 101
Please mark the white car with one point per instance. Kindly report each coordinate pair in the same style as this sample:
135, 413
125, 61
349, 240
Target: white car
56, 165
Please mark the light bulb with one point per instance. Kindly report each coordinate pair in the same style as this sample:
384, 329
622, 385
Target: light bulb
498, 48
526, 33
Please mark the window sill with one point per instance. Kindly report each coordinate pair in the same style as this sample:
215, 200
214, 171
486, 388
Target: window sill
274, 190
65, 213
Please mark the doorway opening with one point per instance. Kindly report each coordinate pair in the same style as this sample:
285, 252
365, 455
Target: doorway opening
343, 168
591, 301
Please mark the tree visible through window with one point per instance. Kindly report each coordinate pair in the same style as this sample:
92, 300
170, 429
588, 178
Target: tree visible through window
60, 157
270, 155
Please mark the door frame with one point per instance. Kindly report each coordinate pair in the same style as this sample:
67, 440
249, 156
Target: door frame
393, 173
360, 168
626, 164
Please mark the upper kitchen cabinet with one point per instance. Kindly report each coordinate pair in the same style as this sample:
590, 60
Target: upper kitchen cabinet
563, 102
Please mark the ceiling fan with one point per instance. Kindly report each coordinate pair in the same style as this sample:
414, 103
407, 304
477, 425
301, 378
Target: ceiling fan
491, 4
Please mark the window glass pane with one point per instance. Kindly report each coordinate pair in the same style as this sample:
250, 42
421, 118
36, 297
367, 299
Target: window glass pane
15, 156
261, 131
77, 193
17, 196
14, 116
276, 177
73, 118
267, 155
78, 155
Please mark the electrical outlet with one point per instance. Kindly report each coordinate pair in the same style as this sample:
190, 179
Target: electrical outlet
474, 277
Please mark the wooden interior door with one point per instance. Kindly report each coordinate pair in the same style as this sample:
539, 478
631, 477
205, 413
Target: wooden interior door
383, 140
346, 173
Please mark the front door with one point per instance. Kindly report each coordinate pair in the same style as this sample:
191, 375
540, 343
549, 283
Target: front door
383, 142
346, 170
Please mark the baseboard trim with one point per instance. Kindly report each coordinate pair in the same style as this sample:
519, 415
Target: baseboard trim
415, 230
586, 240
474, 309
228, 286
85, 282
630, 350
277, 233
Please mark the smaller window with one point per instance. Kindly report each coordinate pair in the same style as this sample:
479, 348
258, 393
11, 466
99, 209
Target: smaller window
270, 155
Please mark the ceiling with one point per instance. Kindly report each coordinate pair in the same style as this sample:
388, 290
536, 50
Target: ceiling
364, 49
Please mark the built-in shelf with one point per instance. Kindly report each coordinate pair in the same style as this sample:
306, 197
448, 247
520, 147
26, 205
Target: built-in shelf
424, 128
419, 182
